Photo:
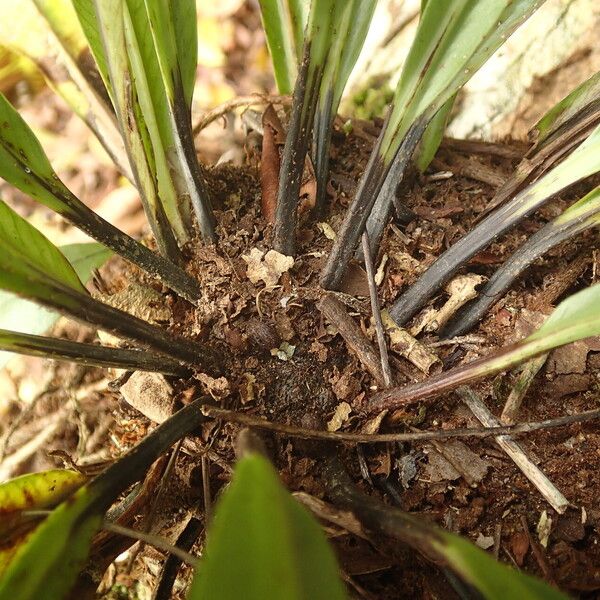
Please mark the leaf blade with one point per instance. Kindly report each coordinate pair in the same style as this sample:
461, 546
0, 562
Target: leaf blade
265, 544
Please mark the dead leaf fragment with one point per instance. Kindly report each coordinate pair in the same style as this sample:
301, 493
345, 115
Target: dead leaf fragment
268, 267
327, 230
484, 541
284, 352
572, 358
519, 544
453, 459
461, 290
372, 425
341, 414
544, 527
218, 388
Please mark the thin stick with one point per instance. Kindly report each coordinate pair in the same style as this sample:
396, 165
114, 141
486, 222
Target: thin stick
383, 352
205, 461
512, 150
148, 522
515, 398
361, 438
554, 497
147, 538
334, 311
223, 109
152, 540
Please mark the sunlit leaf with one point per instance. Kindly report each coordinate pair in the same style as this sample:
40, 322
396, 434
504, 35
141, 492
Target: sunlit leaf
48, 563
24, 165
34, 491
263, 544
452, 41
38, 490
86, 13
283, 22
25, 316
153, 24
32, 267
186, 38
26, 254
351, 31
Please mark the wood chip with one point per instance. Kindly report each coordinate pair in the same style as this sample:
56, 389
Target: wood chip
409, 347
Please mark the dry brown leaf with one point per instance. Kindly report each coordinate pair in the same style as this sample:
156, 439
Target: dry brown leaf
372, 425
268, 267
340, 416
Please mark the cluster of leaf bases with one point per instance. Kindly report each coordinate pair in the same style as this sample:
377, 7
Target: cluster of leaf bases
137, 100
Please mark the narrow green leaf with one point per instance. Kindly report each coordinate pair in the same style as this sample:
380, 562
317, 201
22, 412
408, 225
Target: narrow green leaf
280, 31
32, 267
491, 578
148, 165
576, 318
430, 142
48, 563
186, 37
89, 23
349, 34
154, 55
263, 544
581, 163
28, 317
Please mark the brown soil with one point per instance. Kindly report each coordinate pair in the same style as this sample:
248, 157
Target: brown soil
245, 322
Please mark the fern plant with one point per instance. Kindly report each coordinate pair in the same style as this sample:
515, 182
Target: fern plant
137, 100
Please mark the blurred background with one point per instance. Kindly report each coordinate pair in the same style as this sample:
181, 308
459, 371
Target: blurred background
552, 53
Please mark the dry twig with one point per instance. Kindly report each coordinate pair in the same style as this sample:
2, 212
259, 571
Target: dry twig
362, 438
223, 109
333, 310
554, 497
375, 308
